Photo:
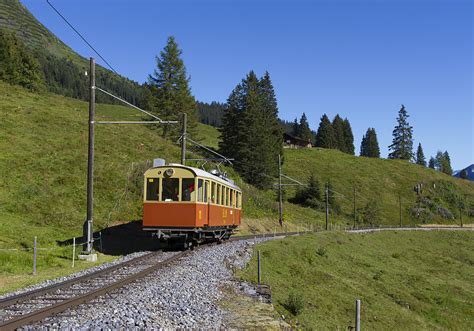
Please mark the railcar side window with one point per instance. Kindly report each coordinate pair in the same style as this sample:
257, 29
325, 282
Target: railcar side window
239, 199
187, 189
223, 195
232, 197
227, 196
152, 185
206, 189
213, 192
170, 190
200, 190
218, 197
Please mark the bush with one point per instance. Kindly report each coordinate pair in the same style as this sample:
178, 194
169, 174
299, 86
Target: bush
321, 251
294, 304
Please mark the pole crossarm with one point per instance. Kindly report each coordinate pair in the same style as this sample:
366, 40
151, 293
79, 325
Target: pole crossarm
294, 180
133, 106
208, 149
128, 122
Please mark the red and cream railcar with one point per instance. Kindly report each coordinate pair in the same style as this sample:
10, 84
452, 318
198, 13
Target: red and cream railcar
189, 204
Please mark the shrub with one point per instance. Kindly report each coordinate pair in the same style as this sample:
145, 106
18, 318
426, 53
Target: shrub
321, 251
294, 304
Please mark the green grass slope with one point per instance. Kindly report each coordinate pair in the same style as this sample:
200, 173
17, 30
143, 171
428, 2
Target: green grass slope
383, 180
406, 280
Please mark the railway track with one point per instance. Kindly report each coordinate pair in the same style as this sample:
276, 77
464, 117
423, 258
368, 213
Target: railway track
36, 305
33, 306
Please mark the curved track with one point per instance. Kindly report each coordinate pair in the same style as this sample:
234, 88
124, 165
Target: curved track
34, 306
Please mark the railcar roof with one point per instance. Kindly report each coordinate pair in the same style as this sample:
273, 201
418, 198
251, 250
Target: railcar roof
200, 173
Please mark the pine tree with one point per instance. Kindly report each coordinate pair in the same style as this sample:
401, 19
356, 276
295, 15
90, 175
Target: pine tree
170, 87
348, 138
442, 162
370, 146
338, 127
402, 144
251, 132
446, 164
432, 163
17, 65
420, 156
304, 132
325, 137
295, 129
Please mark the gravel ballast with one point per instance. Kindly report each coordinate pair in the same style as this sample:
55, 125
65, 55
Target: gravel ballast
185, 294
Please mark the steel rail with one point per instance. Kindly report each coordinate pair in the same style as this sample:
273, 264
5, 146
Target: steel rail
38, 315
8, 301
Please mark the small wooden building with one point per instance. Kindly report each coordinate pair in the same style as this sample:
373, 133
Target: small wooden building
294, 142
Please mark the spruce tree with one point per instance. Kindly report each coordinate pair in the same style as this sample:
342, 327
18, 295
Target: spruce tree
420, 156
338, 128
348, 138
251, 132
402, 144
170, 87
295, 128
304, 132
17, 65
370, 146
432, 163
325, 137
446, 164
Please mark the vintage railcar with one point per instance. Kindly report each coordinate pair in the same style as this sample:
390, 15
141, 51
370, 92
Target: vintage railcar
189, 205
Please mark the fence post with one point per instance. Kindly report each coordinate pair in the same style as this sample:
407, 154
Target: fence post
460, 216
357, 322
34, 256
73, 250
259, 271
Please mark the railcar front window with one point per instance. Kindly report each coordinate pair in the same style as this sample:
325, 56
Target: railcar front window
152, 185
170, 189
187, 189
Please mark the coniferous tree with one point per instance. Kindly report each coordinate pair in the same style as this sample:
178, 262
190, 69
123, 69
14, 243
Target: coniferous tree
17, 65
402, 144
170, 87
338, 128
420, 156
446, 164
251, 132
325, 137
370, 146
443, 162
432, 163
304, 132
348, 138
296, 128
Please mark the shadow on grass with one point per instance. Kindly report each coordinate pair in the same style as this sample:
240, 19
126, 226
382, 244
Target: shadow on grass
121, 239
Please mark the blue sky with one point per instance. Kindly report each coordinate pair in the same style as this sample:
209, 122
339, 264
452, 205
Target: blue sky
359, 58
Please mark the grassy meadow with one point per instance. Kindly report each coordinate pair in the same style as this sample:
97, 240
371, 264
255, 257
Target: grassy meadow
405, 280
43, 160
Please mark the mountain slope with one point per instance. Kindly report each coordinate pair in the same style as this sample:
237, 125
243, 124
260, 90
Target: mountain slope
382, 181
63, 68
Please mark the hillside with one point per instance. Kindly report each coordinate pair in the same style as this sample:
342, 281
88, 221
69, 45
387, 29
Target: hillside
405, 280
62, 66
383, 180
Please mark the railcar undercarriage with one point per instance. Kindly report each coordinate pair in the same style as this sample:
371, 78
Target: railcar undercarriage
191, 237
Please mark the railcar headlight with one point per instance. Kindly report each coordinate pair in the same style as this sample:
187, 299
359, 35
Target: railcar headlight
169, 172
